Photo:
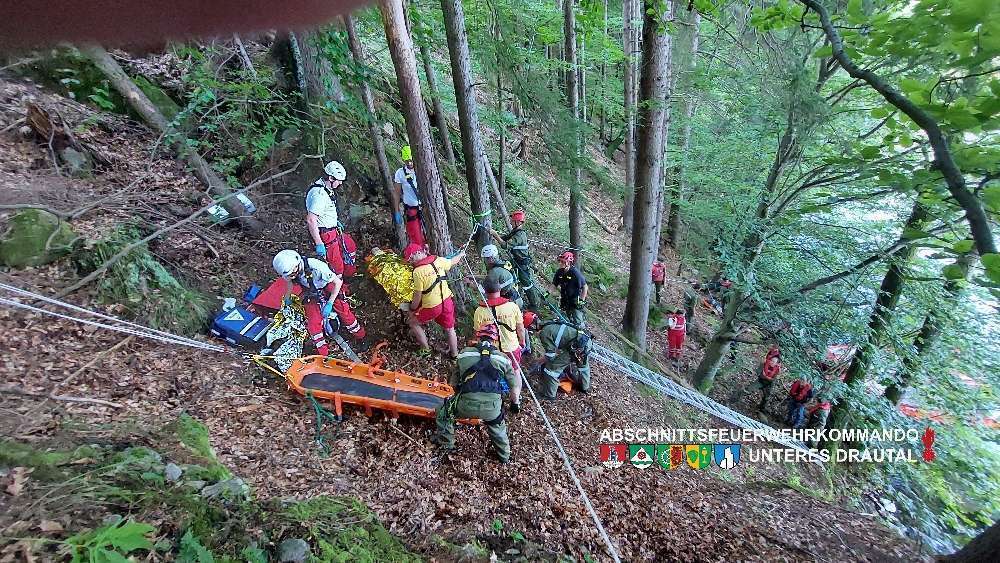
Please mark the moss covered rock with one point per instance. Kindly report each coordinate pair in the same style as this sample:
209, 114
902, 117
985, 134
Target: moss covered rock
34, 237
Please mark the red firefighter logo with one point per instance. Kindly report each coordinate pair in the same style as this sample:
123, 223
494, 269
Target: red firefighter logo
928, 441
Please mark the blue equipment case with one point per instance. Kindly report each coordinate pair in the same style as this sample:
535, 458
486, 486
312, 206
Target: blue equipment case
240, 327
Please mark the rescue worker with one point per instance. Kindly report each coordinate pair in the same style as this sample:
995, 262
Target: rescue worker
690, 303
476, 381
817, 416
676, 331
564, 345
499, 272
659, 272
432, 298
510, 323
406, 199
573, 289
321, 297
766, 374
516, 242
332, 243
799, 394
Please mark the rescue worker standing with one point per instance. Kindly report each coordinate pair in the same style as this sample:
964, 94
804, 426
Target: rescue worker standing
406, 199
332, 243
676, 331
798, 396
476, 381
516, 242
510, 324
766, 374
817, 415
564, 344
498, 272
321, 296
432, 298
659, 273
573, 289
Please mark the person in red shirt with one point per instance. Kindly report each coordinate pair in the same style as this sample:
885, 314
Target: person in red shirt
798, 396
659, 272
767, 372
676, 330
818, 414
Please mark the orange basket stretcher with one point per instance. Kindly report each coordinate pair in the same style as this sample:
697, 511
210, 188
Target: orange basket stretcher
340, 381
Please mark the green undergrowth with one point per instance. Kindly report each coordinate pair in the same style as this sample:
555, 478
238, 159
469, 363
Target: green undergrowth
140, 283
163, 495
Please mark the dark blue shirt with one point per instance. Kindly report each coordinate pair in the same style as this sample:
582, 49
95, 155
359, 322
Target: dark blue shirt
570, 283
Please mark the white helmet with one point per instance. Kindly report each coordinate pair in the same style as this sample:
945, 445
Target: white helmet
490, 251
335, 169
286, 262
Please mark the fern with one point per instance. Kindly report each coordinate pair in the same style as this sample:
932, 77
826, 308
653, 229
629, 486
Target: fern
110, 543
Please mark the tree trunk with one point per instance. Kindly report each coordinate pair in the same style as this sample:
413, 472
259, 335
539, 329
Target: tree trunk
373, 128
930, 332
468, 115
417, 127
880, 319
573, 100
982, 549
687, 63
630, 14
321, 82
653, 92
582, 79
604, 78
498, 196
138, 101
439, 117
718, 347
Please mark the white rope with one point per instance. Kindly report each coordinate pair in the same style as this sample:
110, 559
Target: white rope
32, 295
555, 437
126, 330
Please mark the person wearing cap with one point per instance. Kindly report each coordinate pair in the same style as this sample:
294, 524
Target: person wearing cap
321, 296
509, 320
573, 289
476, 381
406, 198
516, 243
323, 220
499, 272
564, 345
432, 298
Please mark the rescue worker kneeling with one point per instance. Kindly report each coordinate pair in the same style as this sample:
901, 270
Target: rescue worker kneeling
477, 392
564, 345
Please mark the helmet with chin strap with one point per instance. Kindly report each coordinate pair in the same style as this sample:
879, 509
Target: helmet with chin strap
287, 262
335, 170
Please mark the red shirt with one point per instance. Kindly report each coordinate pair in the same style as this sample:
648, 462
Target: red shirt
659, 270
770, 371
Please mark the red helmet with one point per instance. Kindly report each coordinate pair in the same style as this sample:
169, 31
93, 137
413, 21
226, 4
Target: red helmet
517, 215
568, 256
488, 331
529, 318
411, 249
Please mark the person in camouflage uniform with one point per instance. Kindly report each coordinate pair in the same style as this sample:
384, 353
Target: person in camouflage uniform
516, 243
564, 345
499, 272
477, 393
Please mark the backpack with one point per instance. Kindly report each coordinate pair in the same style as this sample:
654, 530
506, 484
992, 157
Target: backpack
483, 376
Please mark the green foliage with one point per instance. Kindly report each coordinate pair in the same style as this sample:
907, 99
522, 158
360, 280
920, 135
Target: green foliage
192, 551
110, 543
193, 435
140, 283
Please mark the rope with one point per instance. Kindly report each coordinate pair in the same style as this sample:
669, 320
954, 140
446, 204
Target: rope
321, 414
58, 303
555, 438
126, 330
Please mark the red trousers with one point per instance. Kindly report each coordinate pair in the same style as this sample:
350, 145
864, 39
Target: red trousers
414, 227
675, 341
341, 252
314, 323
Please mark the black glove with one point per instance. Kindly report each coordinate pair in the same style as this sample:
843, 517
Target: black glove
515, 408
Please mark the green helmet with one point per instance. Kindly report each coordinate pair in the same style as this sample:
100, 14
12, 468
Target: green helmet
406, 153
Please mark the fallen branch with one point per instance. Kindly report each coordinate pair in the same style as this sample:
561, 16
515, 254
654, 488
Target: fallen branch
125, 251
603, 225
65, 398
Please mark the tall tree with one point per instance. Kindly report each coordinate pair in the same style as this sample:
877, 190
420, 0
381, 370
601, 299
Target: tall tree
630, 13
440, 119
685, 61
373, 128
653, 92
468, 116
573, 101
930, 329
417, 127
